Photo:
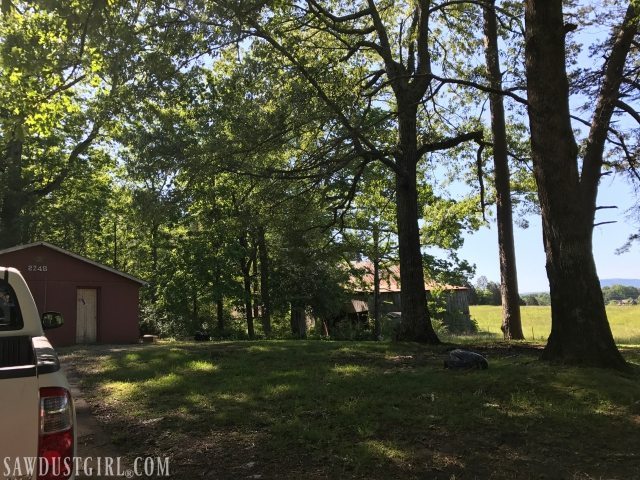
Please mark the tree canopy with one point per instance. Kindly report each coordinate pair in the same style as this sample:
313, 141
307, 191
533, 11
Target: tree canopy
240, 156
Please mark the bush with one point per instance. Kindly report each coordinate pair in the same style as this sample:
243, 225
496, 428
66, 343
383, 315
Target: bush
348, 330
619, 292
157, 321
443, 312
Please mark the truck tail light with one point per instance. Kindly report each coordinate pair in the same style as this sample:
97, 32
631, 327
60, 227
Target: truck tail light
55, 447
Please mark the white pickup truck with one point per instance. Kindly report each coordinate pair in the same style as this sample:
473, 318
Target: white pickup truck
37, 418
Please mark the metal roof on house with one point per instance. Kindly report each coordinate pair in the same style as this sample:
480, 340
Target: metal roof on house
74, 255
389, 279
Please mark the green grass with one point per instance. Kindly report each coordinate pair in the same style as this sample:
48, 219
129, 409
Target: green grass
536, 322
315, 409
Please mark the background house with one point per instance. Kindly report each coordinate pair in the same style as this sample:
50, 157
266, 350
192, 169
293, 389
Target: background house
99, 304
455, 299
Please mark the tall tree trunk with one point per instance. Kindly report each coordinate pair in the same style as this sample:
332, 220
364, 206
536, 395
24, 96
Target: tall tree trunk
194, 312
115, 240
247, 304
264, 281
246, 276
13, 198
511, 321
219, 302
154, 262
580, 332
220, 313
247, 298
377, 329
298, 320
416, 323
254, 283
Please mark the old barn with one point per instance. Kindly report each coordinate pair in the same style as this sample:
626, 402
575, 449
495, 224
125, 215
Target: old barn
99, 304
361, 283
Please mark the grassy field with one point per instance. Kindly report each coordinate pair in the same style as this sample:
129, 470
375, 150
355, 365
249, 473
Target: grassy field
536, 322
325, 410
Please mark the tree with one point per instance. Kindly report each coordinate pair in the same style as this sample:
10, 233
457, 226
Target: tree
371, 230
511, 322
367, 44
489, 294
482, 282
72, 215
307, 271
444, 222
45, 53
580, 332
619, 292
64, 67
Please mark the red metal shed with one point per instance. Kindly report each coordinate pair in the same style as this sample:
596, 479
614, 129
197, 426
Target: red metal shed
99, 304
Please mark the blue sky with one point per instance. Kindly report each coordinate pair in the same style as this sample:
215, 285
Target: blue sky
481, 247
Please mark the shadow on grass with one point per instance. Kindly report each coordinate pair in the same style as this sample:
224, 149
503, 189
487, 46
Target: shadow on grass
363, 410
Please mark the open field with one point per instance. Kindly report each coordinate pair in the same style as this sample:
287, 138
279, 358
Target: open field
536, 322
325, 410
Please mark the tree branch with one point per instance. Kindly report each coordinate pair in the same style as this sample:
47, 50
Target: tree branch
450, 142
424, 57
629, 109
78, 150
483, 88
480, 3
334, 18
62, 88
395, 70
334, 22
481, 179
609, 93
359, 140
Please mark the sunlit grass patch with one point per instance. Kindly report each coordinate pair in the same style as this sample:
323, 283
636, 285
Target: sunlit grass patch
233, 397
536, 322
201, 366
386, 450
120, 391
259, 348
277, 390
198, 399
350, 370
164, 382
132, 357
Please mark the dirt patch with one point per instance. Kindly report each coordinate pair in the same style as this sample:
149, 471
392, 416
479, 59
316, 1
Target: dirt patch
93, 440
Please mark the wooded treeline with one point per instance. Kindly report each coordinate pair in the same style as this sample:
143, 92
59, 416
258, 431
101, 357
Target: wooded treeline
488, 293
239, 155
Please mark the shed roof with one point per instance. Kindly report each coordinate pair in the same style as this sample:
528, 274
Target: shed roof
356, 306
73, 255
361, 279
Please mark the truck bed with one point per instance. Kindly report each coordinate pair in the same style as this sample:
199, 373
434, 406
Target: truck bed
19, 398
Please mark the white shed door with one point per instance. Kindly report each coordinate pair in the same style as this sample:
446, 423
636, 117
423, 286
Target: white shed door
87, 315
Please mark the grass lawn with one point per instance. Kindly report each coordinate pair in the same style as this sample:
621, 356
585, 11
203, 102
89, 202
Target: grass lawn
536, 322
330, 410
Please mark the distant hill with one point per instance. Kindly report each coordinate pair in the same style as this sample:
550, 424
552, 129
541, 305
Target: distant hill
629, 282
